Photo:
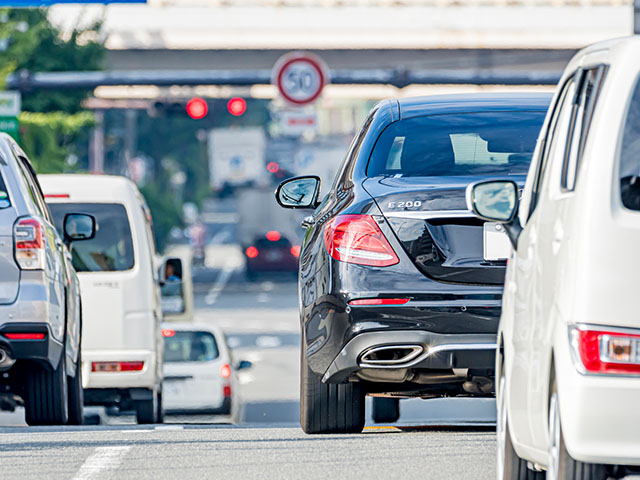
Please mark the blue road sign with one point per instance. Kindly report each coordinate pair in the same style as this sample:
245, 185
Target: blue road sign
48, 3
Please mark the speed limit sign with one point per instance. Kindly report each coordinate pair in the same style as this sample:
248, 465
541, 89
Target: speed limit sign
300, 77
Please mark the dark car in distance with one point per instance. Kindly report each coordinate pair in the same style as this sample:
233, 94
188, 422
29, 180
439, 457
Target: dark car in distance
400, 285
271, 252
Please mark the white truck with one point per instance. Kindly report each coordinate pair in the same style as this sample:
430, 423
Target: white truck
237, 158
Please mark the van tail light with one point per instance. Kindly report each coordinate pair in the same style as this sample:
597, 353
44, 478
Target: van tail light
602, 351
225, 371
117, 366
226, 391
358, 239
29, 244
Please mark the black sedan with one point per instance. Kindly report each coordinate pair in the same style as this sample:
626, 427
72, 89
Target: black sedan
400, 285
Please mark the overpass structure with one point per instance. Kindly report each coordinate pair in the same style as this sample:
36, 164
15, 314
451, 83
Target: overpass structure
390, 42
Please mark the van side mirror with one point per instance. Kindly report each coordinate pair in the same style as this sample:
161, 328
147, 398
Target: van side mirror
299, 192
171, 286
496, 201
79, 226
244, 365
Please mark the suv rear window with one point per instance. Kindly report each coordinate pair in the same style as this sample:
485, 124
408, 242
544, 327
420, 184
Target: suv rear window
485, 143
190, 347
111, 250
4, 195
630, 155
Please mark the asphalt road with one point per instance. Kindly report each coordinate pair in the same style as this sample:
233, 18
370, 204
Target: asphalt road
434, 439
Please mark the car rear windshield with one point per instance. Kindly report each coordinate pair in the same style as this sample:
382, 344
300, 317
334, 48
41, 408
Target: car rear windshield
485, 143
190, 347
111, 250
4, 195
630, 154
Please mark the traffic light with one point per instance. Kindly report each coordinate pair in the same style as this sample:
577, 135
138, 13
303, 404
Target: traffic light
237, 106
197, 108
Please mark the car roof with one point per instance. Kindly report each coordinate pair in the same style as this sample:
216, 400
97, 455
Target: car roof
472, 102
86, 187
194, 327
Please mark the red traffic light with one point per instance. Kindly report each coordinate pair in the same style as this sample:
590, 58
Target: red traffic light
237, 106
197, 108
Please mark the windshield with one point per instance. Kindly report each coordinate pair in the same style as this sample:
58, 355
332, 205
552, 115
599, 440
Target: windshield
495, 143
190, 347
630, 155
111, 249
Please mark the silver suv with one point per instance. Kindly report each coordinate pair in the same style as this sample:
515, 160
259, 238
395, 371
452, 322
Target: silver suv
40, 311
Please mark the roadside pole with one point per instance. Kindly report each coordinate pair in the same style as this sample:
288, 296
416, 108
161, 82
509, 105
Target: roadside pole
96, 146
636, 17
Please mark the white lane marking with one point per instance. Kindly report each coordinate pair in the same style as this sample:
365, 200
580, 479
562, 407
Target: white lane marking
102, 459
220, 237
221, 282
169, 427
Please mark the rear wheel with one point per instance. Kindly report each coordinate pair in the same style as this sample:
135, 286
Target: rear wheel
147, 410
386, 410
509, 465
46, 401
561, 465
329, 408
76, 395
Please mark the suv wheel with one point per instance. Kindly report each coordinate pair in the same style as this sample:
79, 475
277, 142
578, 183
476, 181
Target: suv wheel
147, 410
509, 465
561, 465
76, 395
386, 410
46, 401
329, 408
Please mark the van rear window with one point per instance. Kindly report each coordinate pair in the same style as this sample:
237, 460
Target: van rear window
111, 250
630, 155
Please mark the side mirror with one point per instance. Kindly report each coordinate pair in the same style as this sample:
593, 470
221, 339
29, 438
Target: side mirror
244, 364
79, 226
299, 192
171, 276
496, 201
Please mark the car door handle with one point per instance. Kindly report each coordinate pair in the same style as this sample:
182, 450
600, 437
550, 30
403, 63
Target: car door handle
308, 222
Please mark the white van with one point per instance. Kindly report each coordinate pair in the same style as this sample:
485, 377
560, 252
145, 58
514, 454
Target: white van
568, 366
121, 310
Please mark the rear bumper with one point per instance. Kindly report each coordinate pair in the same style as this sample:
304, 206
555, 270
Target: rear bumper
433, 351
145, 378
46, 351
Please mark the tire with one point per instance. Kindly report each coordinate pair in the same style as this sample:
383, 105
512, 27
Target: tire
561, 465
76, 395
46, 401
329, 408
386, 410
147, 410
160, 410
509, 465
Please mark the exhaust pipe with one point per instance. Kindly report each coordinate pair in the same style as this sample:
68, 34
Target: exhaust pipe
390, 355
6, 362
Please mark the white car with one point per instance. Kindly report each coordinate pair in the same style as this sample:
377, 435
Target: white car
119, 282
199, 372
568, 363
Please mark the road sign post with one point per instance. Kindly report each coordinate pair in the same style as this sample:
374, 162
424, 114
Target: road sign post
300, 77
10, 105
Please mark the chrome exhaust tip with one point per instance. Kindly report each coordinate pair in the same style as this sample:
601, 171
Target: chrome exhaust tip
390, 355
6, 362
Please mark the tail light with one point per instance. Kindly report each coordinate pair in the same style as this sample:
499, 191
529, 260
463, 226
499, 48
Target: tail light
225, 371
295, 251
604, 351
29, 244
226, 391
379, 301
167, 332
252, 252
117, 366
273, 236
25, 336
358, 239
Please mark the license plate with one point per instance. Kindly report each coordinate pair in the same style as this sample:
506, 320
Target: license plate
274, 256
496, 243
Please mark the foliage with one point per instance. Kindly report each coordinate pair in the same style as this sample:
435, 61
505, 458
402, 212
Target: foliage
164, 211
49, 138
28, 41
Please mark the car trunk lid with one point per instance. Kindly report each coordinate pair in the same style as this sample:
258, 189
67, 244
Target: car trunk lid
430, 219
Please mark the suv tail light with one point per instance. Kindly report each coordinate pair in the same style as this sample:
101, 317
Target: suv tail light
358, 239
604, 351
29, 244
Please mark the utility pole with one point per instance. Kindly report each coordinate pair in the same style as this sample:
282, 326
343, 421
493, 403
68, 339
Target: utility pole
96, 145
636, 17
